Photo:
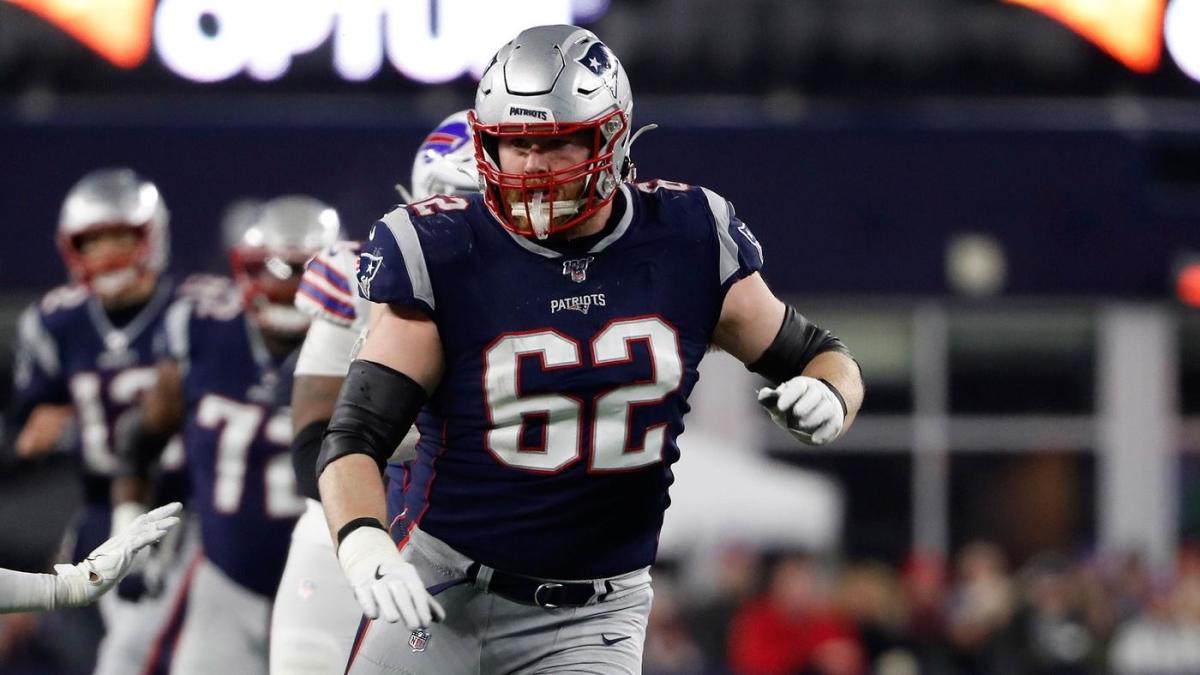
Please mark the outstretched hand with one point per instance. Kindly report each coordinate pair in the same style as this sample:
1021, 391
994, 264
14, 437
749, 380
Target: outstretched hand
82, 583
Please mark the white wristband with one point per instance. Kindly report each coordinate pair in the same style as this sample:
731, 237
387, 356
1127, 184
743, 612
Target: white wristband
363, 551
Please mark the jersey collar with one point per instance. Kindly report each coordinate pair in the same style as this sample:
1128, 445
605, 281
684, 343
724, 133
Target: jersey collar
118, 339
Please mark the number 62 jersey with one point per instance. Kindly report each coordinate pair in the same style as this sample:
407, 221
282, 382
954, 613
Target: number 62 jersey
546, 448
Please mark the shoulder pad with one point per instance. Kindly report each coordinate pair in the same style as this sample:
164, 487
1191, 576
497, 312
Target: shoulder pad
406, 251
67, 296
740, 253
325, 289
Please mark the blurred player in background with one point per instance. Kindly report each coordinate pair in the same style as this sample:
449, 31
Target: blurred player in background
545, 337
315, 614
84, 357
79, 585
218, 383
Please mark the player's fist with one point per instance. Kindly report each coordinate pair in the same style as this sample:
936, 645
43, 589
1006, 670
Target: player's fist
104, 567
43, 429
384, 584
806, 407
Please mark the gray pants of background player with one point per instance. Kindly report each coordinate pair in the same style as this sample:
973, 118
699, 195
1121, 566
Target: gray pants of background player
225, 628
487, 634
133, 630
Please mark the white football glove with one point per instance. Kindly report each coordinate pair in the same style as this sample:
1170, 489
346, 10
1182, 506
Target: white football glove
384, 584
806, 407
81, 584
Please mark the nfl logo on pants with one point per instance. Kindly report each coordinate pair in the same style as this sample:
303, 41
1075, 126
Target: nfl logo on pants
418, 640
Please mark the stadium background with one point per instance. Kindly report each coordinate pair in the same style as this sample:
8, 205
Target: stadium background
999, 211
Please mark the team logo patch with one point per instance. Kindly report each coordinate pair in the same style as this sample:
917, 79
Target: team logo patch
418, 640
369, 263
745, 230
577, 269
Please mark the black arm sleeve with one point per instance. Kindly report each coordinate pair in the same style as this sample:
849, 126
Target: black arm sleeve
375, 409
306, 447
797, 342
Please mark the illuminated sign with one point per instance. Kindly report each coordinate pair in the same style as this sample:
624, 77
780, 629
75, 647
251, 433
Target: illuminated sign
1181, 30
1133, 31
214, 40
1129, 30
118, 30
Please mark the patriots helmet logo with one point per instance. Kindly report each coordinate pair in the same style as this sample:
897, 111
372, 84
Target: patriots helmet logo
600, 60
369, 263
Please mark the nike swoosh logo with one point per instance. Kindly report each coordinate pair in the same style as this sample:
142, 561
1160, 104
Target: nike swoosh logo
377, 574
610, 641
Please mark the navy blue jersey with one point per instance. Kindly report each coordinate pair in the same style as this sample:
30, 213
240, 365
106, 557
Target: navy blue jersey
236, 438
546, 448
69, 352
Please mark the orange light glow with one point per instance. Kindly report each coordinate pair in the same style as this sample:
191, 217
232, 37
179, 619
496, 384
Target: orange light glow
118, 30
1187, 285
1129, 30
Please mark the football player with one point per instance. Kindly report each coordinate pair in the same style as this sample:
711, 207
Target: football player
80, 585
85, 354
544, 336
315, 613
218, 384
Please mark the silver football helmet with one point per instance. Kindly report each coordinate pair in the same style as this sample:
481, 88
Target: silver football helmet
109, 200
269, 259
552, 81
445, 162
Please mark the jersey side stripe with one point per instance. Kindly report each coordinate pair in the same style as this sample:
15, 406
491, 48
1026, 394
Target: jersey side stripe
729, 251
414, 257
325, 271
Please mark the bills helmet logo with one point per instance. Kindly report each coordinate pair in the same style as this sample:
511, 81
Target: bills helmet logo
576, 269
369, 263
444, 140
418, 640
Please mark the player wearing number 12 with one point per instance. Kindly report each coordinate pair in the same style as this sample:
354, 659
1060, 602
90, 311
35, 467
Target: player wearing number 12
545, 336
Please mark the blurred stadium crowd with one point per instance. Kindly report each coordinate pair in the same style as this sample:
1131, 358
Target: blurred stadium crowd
794, 613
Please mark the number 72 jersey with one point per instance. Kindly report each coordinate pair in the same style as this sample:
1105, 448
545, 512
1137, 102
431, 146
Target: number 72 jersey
546, 448
235, 437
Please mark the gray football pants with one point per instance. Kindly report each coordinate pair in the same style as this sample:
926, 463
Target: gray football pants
485, 634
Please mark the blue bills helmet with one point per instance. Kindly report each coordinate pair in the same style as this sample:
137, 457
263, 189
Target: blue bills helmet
445, 162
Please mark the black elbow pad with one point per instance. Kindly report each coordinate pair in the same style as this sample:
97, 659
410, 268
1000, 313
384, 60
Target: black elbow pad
306, 448
375, 409
797, 342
